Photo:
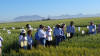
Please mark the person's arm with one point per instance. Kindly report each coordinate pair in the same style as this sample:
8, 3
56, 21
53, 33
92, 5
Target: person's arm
1, 38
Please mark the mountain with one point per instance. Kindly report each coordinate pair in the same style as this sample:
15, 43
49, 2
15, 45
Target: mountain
28, 18
74, 16
37, 17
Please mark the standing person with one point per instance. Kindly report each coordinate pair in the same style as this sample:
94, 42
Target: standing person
1, 39
42, 35
63, 35
92, 28
49, 35
23, 39
37, 37
57, 34
70, 30
30, 40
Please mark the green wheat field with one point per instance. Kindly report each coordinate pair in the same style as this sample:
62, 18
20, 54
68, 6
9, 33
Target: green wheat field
79, 45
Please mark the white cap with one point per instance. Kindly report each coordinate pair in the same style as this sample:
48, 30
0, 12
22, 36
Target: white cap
23, 31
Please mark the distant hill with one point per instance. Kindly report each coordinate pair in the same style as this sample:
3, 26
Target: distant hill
28, 18
37, 17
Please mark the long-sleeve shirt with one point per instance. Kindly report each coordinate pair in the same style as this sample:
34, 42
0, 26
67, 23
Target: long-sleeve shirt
57, 32
92, 28
1, 39
49, 35
30, 40
41, 33
70, 29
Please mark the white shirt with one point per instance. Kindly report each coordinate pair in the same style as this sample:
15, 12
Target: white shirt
1, 39
49, 35
42, 33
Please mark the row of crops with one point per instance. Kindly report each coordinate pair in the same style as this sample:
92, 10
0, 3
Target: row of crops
79, 45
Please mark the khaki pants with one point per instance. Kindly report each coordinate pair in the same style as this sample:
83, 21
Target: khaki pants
0, 52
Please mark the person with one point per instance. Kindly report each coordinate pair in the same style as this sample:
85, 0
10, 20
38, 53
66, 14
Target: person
1, 39
49, 35
30, 40
70, 30
37, 37
92, 28
23, 39
42, 35
63, 35
99, 28
57, 34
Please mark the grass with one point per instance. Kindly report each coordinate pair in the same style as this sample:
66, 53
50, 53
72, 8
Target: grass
79, 45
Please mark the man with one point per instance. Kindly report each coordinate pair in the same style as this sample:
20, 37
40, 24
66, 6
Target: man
57, 34
42, 35
70, 30
92, 28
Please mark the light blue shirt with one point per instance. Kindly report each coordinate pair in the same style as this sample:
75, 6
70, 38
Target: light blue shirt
70, 29
57, 32
30, 40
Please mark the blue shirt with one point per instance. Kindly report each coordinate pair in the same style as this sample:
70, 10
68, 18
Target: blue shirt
91, 27
70, 29
30, 40
57, 32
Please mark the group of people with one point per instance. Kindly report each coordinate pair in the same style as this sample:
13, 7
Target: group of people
44, 34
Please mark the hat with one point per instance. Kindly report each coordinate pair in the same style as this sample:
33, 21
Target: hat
23, 31
49, 28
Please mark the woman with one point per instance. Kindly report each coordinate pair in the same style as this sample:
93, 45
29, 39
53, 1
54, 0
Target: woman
70, 30
30, 40
23, 40
42, 35
63, 35
49, 35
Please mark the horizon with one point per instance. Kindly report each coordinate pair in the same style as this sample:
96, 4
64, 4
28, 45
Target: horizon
15, 8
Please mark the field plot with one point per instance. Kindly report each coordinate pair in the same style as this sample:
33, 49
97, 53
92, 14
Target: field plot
79, 45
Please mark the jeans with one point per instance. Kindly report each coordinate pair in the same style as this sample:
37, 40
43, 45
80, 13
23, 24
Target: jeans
58, 40
43, 41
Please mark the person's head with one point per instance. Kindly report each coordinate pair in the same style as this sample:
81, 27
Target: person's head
58, 25
23, 31
71, 23
91, 23
41, 26
63, 25
27, 25
29, 32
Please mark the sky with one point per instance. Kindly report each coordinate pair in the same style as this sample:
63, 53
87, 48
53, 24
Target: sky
9, 9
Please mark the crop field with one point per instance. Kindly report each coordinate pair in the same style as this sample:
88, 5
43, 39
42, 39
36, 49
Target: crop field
79, 45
